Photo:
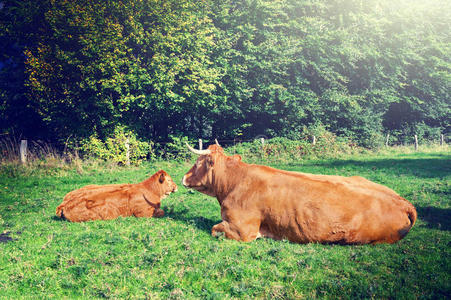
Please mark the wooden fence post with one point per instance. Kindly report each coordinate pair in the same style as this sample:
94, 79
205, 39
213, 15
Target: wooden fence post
127, 151
416, 142
314, 140
76, 151
23, 151
442, 140
200, 144
386, 140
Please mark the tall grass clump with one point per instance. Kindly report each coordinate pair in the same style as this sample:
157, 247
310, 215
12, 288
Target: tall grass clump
41, 157
9, 149
37, 150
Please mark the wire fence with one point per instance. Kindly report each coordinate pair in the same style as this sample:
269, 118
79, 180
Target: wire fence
12, 148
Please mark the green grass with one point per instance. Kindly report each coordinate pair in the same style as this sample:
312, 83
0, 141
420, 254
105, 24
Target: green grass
175, 256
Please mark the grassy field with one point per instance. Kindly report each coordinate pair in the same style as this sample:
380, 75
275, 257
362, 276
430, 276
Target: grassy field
175, 256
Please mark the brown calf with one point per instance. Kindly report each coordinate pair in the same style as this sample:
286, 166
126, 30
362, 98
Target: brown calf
106, 202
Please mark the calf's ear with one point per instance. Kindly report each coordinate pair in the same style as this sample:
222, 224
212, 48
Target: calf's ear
161, 179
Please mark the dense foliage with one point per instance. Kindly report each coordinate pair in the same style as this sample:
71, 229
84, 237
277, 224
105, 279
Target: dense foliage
121, 147
226, 69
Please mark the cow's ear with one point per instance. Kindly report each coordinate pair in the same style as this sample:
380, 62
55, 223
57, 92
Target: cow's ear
237, 157
161, 179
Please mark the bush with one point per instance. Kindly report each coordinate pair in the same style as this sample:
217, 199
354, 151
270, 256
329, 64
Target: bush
114, 147
425, 134
282, 149
175, 149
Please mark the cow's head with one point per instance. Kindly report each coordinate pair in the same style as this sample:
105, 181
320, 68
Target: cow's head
210, 165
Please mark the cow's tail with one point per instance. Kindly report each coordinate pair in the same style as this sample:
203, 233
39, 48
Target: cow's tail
59, 211
412, 215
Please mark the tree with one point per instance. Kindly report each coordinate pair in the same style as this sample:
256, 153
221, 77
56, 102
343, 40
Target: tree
97, 65
225, 68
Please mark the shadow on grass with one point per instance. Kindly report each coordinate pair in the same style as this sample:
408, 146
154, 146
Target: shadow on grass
418, 167
198, 221
436, 218
5, 238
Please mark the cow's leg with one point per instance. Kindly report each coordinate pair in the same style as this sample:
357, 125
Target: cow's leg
107, 212
243, 231
225, 227
158, 213
141, 207
147, 212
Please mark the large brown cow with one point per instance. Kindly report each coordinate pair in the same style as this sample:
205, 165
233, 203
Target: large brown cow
261, 201
106, 202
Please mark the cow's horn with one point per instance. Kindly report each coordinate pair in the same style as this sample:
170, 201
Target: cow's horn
216, 141
198, 152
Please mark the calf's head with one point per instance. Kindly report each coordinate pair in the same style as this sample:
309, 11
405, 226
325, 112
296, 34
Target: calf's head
166, 183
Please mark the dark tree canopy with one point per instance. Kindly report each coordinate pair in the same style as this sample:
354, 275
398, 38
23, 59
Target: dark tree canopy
224, 68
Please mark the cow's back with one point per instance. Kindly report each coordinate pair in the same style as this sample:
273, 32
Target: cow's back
94, 202
325, 208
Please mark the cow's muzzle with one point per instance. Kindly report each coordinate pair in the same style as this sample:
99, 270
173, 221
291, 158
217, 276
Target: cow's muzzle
184, 182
